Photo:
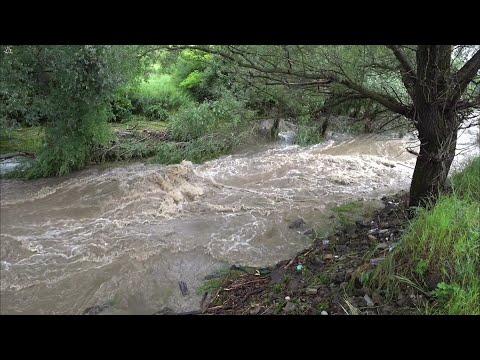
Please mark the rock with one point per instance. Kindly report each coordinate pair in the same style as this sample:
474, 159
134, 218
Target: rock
97, 309
376, 261
377, 298
297, 223
361, 224
325, 242
383, 231
183, 288
369, 301
395, 222
255, 309
277, 275
309, 232
311, 291
328, 257
340, 248
290, 307
362, 292
324, 313
373, 231
359, 301
432, 281
382, 246
350, 230
372, 238
294, 284
165, 311
387, 309
384, 225
339, 277
342, 240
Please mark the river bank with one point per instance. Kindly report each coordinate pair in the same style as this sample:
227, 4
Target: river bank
328, 277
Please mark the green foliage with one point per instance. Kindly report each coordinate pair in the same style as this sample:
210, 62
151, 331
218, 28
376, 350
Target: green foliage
70, 144
308, 135
196, 72
443, 241
194, 121
158, 96
421, 268
121, 107
67, 89
194, 79
444, 292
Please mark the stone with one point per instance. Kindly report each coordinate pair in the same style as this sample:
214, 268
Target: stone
372, 238
382, 246
377, 298
290, 307
387, 309
277, 275
311, 291
324, 313
340, 248
339, 277
297, 223
383, 231
432, 281
361, 224
328, 257
376, 261
309, 232
360, 301
369, 301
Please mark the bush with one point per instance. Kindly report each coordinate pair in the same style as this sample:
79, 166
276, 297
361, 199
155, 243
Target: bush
157, 97
121, 107
192, 122
70, 143
308, 135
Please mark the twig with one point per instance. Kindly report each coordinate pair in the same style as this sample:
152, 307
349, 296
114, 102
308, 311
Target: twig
248, 282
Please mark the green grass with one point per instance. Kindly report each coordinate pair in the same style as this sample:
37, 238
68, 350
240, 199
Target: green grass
443, 242
24, 139
213, 285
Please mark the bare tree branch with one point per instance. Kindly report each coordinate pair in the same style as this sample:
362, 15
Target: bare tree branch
408, 73
464, 76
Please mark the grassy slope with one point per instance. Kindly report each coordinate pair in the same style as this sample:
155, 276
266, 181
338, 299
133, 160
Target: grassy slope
443, 243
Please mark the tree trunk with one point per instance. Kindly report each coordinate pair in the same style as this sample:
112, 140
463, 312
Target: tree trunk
274, 130
437, 151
